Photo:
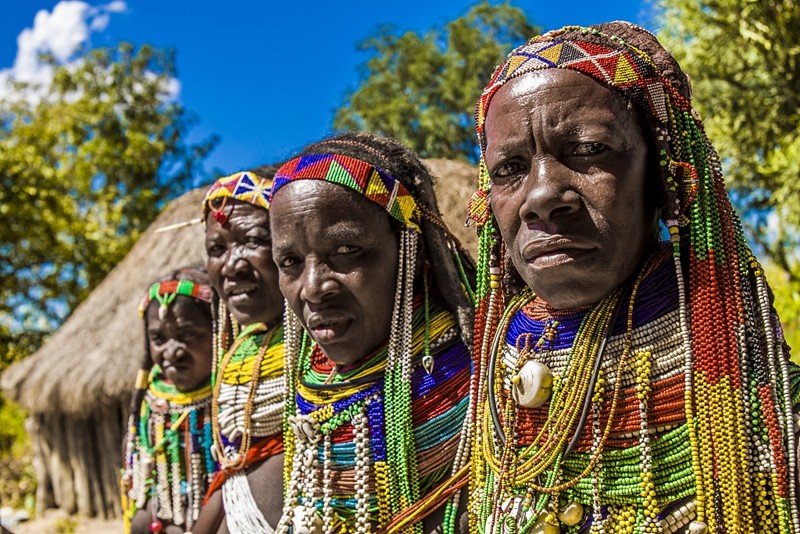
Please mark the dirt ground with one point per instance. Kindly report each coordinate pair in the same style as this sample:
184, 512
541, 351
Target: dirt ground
57, 522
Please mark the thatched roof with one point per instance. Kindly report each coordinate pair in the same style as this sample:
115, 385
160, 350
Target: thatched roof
455, 183
94, 356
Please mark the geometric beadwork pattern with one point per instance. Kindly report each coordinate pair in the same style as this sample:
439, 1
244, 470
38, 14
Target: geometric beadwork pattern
626, 70
243, 186
374, 183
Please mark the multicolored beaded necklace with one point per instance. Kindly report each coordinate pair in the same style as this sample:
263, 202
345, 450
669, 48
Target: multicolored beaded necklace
704, 397
377, 416
248, 393
341, 433
247, 414
168, 456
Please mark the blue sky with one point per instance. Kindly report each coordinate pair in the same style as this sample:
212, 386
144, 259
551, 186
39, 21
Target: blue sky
266, 76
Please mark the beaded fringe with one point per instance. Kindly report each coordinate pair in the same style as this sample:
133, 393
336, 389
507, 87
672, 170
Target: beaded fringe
247, 519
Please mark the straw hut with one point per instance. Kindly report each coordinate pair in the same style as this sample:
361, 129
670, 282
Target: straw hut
77, 387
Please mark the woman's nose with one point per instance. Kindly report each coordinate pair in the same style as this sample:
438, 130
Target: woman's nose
318, 281
549, 193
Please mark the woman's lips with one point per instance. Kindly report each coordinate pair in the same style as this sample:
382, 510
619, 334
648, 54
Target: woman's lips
553, 249
326, 329
240, 294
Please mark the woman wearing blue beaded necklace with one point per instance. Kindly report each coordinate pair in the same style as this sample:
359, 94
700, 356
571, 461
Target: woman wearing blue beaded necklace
625, 384
379, 386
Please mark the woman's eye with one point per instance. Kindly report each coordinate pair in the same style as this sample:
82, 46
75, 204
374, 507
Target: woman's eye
507, 171
156, 340
286, 263
588, 149
188, 335
215, 251
346, 249
258, 241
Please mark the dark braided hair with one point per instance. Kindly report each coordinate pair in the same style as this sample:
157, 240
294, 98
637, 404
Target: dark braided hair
441, 248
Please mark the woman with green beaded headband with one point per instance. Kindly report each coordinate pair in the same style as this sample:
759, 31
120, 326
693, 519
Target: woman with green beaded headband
168, 461
624, 385
247, 377
377, 432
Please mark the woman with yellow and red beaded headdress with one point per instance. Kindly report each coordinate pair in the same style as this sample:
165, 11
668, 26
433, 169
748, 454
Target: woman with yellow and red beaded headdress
624, 384
247, 402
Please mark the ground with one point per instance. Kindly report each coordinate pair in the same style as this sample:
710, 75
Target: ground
57, 522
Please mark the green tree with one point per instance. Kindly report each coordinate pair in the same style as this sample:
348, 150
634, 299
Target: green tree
422, 89
743, 57
84, 167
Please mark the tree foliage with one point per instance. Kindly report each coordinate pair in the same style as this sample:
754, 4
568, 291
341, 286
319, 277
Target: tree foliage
84, 167
743, 57
422, 89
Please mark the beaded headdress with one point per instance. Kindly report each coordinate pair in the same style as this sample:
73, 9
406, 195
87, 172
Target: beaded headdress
165, 293
740, 368
375, 184
242, 186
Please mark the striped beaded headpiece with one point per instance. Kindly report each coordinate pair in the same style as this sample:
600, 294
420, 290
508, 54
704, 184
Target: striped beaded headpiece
242, 186
375, 184
165, 293
739, 369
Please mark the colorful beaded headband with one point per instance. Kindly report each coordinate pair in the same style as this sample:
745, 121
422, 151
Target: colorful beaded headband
165, 293
627, 69
624, 67
242, 186
375, 184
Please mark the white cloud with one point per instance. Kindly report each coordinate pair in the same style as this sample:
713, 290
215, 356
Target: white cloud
61, 33
117, 6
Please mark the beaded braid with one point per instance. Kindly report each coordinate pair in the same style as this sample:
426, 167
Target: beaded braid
735, 362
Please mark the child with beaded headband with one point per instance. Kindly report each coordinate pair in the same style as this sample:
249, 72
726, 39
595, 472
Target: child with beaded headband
247, 377
378, 387
693, 362
168, 462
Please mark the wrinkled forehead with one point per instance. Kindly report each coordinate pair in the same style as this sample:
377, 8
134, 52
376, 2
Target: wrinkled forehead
622, 67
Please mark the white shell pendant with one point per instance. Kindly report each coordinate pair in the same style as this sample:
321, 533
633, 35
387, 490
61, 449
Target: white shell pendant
571, 514
427, 363
305, 520
533, 385
697, 527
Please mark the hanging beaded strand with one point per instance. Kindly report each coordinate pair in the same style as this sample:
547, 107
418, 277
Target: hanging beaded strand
168, 419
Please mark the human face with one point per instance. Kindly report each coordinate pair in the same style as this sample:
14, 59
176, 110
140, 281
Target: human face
567, 160
337, 255
181, 343
240, 264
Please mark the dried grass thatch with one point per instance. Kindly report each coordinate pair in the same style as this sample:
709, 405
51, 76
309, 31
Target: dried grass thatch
92, 359
455, 183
